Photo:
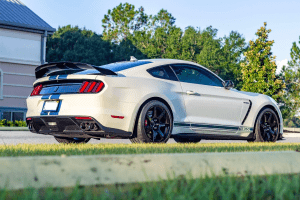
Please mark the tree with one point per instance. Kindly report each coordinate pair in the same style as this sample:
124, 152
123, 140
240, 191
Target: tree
74, 44
258, 71
233, 48
122, 21
191, 44
291, 76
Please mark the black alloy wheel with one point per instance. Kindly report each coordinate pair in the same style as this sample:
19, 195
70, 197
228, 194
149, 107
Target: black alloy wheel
267, 127
72, 140
154, 124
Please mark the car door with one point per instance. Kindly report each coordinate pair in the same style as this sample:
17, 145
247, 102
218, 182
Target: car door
181, 122
210, 108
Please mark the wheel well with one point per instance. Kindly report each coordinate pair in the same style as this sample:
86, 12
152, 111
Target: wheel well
271, 107
140, 109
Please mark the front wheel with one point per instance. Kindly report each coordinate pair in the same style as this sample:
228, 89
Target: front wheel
154, 124
266, 127
72, 140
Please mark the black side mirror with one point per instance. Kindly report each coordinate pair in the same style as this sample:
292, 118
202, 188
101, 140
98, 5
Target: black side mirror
228, 84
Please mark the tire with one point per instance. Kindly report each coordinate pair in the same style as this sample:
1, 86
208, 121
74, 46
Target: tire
266, 127
154, 124
186, 140
72, 140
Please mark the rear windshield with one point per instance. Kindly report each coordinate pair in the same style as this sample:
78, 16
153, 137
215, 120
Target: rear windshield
115, 67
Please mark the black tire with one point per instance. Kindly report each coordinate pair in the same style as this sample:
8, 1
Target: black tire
72, 140
186, 140
154, 124
266, 127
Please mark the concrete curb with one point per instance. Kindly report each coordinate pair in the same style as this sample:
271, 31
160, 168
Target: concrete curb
14, 129
293, 130
56, 171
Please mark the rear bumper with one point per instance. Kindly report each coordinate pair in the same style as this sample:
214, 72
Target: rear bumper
69, 126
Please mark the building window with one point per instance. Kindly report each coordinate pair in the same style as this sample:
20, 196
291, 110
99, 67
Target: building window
13, 116
7, 116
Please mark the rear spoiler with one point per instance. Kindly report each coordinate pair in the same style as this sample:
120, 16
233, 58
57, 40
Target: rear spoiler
72, 67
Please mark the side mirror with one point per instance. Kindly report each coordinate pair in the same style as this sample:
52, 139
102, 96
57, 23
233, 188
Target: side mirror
228, 84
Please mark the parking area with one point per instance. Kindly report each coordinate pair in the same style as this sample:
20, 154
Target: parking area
21, 137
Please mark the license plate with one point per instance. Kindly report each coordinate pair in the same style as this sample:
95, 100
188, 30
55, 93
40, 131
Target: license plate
50, 105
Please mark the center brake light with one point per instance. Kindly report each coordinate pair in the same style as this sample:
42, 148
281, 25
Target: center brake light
91, 87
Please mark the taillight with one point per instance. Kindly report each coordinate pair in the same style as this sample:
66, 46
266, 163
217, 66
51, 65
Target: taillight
36, 90
91, 87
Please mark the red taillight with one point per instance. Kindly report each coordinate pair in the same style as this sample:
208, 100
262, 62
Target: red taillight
86, 118
100, 86
36, 90
83, 86
92, 86
29, 119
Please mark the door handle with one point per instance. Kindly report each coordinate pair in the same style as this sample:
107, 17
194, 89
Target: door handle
189, 92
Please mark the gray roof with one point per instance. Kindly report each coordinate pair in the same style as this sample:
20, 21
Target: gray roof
13, 13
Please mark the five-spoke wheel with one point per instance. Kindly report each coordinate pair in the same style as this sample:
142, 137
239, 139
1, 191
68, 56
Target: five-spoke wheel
267, 127
154, 124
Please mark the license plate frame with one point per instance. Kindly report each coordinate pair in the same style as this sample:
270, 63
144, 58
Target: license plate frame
50, 106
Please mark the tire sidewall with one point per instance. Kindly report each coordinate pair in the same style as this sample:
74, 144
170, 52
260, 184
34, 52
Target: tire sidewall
141, 133
258, 136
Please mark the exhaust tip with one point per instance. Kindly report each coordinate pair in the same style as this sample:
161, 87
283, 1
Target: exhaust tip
94, 127
87, 126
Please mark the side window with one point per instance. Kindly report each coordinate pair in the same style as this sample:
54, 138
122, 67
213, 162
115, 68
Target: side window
191, 74
163, 72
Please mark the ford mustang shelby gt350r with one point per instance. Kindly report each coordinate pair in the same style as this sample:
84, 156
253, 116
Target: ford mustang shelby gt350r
146, 101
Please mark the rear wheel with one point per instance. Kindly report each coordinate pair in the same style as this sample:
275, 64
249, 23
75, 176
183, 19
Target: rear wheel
186, 140
266, 127
72, 140
154, 124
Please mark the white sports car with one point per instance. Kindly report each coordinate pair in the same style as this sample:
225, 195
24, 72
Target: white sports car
146, 101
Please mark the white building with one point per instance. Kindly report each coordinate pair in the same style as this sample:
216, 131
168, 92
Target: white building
23, 37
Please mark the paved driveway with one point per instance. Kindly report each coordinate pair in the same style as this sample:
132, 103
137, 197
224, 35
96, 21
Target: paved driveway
20, 137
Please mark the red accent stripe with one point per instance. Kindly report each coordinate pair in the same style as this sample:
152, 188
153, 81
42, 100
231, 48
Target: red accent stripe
91, 86
83, 86
118, 117
100, 87
83, 118
28, 119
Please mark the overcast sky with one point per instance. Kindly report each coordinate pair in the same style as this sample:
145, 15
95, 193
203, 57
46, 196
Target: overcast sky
244, 16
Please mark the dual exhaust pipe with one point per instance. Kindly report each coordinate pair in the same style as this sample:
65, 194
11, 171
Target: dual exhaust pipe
89, 126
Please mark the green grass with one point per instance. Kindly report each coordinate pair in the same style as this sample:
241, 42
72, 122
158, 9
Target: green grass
228, 187
100, 149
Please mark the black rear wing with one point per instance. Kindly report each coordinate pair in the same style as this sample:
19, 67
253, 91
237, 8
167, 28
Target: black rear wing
68, 68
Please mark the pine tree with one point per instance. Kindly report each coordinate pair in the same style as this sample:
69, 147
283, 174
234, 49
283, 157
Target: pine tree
291, 76
258, 72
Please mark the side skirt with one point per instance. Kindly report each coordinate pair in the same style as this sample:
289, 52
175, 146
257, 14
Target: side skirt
218, 131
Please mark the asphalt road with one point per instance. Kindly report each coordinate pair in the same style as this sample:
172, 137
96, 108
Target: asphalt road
26, 137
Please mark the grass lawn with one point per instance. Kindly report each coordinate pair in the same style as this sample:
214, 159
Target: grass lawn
247, 187
100, 149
